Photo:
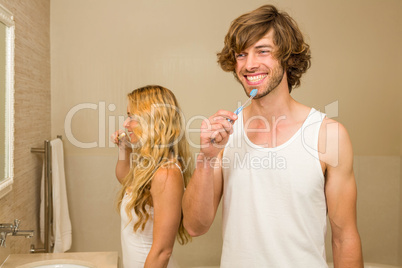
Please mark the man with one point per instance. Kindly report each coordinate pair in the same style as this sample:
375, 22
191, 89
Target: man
282, 167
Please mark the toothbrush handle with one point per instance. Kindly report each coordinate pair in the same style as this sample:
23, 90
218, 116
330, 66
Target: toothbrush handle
238, 110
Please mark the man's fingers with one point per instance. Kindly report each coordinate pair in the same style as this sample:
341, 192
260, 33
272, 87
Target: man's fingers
226, 114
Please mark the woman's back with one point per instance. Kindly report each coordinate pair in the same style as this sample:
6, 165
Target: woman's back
136, 245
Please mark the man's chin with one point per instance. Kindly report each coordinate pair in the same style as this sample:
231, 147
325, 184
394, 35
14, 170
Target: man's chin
263, 94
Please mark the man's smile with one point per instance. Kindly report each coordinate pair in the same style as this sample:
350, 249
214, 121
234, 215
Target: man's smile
255, 79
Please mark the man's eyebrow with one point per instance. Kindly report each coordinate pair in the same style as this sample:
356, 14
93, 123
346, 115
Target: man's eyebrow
263, 46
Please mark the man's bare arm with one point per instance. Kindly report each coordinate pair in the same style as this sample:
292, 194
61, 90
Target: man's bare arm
341, 194
203, 194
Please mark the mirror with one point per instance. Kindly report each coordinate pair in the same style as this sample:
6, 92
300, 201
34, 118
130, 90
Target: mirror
6, 100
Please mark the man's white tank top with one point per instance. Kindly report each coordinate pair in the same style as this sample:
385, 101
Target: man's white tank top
274, 207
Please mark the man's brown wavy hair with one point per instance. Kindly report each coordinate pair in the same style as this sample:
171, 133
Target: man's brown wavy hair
292, 52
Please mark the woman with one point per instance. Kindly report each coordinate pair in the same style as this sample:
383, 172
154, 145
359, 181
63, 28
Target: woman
153, 170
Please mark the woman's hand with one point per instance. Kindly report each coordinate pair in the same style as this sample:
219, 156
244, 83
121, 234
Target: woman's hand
121, 139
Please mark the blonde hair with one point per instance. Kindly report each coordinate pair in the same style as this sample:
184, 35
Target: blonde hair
161, 143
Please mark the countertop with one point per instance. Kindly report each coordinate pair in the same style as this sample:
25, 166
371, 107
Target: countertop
97, 259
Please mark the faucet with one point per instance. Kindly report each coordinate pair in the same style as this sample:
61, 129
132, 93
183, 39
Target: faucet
9, 229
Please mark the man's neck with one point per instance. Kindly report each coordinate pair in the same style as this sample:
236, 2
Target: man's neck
274, 105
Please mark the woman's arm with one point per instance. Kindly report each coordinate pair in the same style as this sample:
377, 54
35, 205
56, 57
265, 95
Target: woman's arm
123, 161
167, 190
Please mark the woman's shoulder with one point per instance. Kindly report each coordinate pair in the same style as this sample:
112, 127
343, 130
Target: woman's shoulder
168, 176
168, 170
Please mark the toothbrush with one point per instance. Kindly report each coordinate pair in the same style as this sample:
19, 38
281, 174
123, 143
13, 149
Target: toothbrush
121, 138
252, 95
238, 110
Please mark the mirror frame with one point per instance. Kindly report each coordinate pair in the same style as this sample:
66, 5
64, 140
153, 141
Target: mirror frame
7, 18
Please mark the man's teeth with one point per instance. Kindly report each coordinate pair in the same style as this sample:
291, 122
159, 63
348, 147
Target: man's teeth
255, 78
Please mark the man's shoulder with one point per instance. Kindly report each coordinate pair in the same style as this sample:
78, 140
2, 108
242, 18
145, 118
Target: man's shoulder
332, 128
333, 141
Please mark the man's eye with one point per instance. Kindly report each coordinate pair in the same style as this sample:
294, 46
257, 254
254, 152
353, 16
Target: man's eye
240, 55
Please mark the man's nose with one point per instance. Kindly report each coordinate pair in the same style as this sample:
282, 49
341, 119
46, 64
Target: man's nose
252, 62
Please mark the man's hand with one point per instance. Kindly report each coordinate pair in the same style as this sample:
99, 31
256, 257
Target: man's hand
215, 132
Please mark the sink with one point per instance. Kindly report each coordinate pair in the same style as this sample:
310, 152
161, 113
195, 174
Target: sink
60, 266
59, 263
63, 260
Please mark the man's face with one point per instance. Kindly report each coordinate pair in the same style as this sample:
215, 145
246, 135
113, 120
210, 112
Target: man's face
257, 68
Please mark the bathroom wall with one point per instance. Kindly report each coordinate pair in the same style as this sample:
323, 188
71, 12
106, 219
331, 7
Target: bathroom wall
32, 116
101, 50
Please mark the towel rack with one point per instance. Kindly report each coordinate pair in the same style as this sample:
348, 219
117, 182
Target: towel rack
48, 207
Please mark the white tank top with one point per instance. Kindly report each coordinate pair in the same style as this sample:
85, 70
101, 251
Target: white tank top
274, 208
136, 245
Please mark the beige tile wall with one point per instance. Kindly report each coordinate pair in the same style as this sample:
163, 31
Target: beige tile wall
32, 116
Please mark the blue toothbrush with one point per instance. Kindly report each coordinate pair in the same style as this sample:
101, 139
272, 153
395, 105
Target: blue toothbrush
238, 110
252, 95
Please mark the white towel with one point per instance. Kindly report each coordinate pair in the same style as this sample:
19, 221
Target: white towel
61, 218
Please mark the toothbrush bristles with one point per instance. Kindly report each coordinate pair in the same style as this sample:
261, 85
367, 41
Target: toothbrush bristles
121, 135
